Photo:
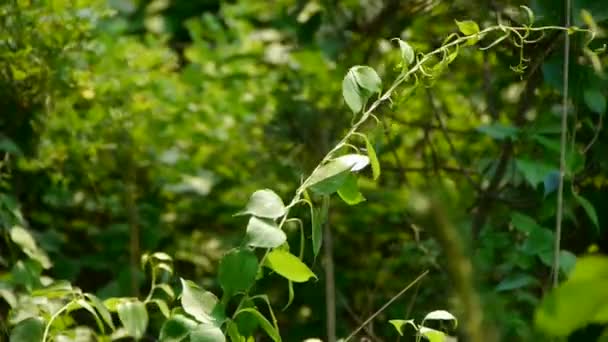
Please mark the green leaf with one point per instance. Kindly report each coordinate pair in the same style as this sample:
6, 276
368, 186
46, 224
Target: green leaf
499, 131
264, 233
289, 266
523, 223
88, 307
103, 311
358, 85
238, 270
373, 159
232, 330
24, 239
207, 333
440, 315
328, 178
162, 306
407, 52
58, 289
349, 191
367, 79
176, 328
595, 100
28, 330
467, 27
200, 304
264, 323
264, 203
589, 209
433, 335
317, 230
134, 317
353, 95
534, 172
516, 281
567, 261
400, 323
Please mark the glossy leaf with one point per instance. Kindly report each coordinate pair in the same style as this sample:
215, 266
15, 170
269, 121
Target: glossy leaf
516, 281
358, 85
207, 333
264, 233
407, 52
24, 239
534, 172
328, 178
200, 304
288, 266
238, 270
265, 203
440, 315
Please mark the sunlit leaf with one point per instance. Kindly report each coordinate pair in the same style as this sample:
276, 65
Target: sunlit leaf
289, 266
207, 333
565, 310
200, 304
358, 85
328, 178
24, 239
400, 323
407, 52
134, 317
265, 203
440, 315
373, 159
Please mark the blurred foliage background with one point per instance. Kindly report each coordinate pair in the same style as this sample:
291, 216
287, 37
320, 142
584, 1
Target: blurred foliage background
129, 126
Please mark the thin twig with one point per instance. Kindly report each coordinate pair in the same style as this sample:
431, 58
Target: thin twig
395, 297
453, 151
330, 284
562, 153
598, 129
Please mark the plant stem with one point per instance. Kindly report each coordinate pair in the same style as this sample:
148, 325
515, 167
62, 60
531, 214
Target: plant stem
386, 305
562, 153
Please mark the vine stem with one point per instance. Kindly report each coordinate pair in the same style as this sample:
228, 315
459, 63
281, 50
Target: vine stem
54, 317
562, 153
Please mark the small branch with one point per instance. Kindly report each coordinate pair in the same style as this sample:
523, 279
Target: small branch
386, 305
356, 318
598, 129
